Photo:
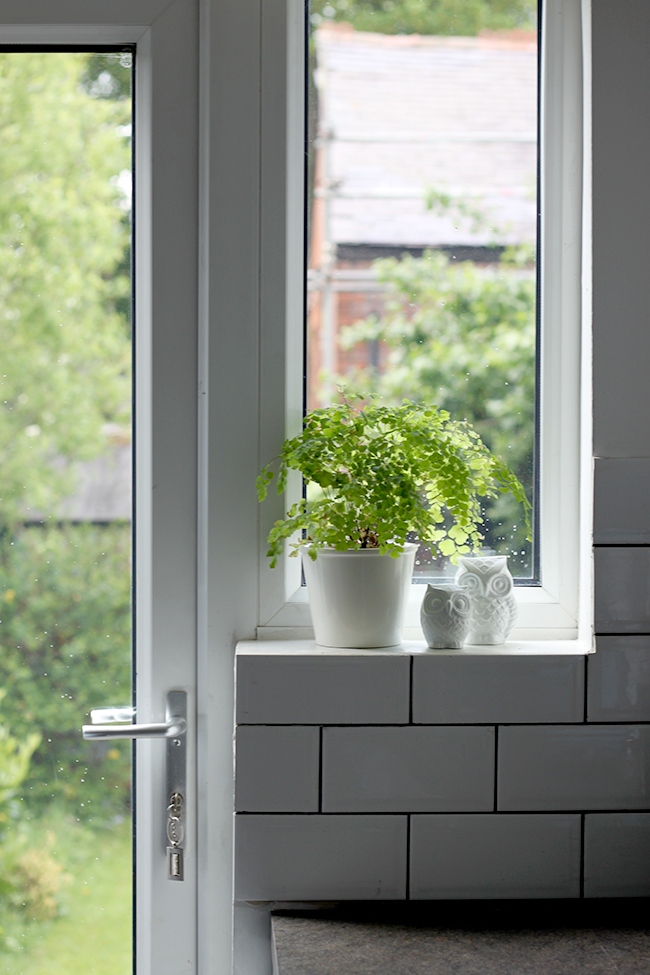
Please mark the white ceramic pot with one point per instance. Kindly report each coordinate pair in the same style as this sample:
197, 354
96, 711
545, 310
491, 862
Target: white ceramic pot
358, 598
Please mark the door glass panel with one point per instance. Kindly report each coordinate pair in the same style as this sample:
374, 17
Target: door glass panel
423, 223
65, 509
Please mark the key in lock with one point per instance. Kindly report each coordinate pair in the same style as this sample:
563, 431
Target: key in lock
174, 863
175, 831
175, 834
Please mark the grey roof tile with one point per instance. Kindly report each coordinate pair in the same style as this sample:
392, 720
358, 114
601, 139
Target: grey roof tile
407, 113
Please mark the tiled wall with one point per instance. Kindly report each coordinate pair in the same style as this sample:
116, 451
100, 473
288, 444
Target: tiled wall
438, 775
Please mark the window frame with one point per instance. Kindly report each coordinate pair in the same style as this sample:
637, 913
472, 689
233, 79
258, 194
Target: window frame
560, 607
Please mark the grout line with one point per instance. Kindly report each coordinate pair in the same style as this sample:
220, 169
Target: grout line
586, 690
443, 724
320, 770
407, 895
411, 691
582, 855
620, 545
643, 632
443, 812
496, 766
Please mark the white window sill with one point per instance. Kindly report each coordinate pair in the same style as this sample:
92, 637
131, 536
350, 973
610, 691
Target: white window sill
270, 644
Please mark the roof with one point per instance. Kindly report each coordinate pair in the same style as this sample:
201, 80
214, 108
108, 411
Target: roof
102, 492
400, 114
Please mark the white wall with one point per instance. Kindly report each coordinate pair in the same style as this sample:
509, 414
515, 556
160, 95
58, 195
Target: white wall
621, 157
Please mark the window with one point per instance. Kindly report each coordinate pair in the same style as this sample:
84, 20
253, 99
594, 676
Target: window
552, 609
422, 228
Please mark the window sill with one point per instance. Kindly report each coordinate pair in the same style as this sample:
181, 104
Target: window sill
270, 643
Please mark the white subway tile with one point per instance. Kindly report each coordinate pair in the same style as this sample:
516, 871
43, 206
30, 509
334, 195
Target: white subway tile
621, 509
617, 855
491, 689
322, 689
618, 687
495, 856
277, 769
412, 769
296, 858
562, 767
622, 590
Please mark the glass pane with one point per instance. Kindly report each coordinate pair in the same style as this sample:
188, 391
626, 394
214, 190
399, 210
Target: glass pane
423, 222
65, 509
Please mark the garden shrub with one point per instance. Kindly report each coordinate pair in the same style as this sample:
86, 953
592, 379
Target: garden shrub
65, 647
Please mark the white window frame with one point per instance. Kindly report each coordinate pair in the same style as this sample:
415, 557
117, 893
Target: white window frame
560, 608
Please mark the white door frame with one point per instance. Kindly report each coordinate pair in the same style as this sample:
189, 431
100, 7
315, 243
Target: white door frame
166, 316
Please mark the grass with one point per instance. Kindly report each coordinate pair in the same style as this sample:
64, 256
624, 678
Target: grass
92, 934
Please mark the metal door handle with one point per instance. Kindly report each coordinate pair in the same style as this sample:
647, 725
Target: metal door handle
173, 729
106, 715
174, 725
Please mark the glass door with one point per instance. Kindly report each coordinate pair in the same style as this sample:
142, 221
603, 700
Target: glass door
65, 514
98, 322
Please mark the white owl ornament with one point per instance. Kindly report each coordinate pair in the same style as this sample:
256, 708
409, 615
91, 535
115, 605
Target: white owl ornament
487, 581
445, 617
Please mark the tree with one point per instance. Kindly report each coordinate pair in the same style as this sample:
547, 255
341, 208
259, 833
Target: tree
65, 356
461, 17
14, 759
65, 343
65, 643
462, 337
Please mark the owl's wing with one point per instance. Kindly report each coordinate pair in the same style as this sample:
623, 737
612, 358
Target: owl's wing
513, 611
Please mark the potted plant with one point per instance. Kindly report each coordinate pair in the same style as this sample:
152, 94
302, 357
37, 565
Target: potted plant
374, 476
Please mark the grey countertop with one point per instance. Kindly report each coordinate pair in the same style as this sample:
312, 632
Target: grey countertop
452, 938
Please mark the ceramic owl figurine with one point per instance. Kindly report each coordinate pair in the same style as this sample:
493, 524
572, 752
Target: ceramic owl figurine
445, 617
488, 583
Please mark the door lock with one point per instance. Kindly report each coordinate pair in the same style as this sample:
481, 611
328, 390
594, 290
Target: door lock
173, 729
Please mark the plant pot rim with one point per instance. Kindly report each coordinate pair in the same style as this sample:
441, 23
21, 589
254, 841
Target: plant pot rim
328, 551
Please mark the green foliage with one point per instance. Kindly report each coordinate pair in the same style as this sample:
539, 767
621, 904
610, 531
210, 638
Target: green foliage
32, 880
64, 280
84, 875
378, 473
462, 337
29, 877
66, 393
472, 215
14, 760
65, 646
461, 17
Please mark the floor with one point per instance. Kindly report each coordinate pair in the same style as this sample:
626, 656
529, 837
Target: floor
604, 937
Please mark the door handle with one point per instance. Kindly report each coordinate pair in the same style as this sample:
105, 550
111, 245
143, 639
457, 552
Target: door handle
173, 728
98, 715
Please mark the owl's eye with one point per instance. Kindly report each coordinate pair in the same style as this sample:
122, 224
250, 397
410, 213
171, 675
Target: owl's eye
470, 582
433, 604
500, 585
459, 602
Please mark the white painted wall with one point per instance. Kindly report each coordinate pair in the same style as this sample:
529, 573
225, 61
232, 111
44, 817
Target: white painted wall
621, 215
